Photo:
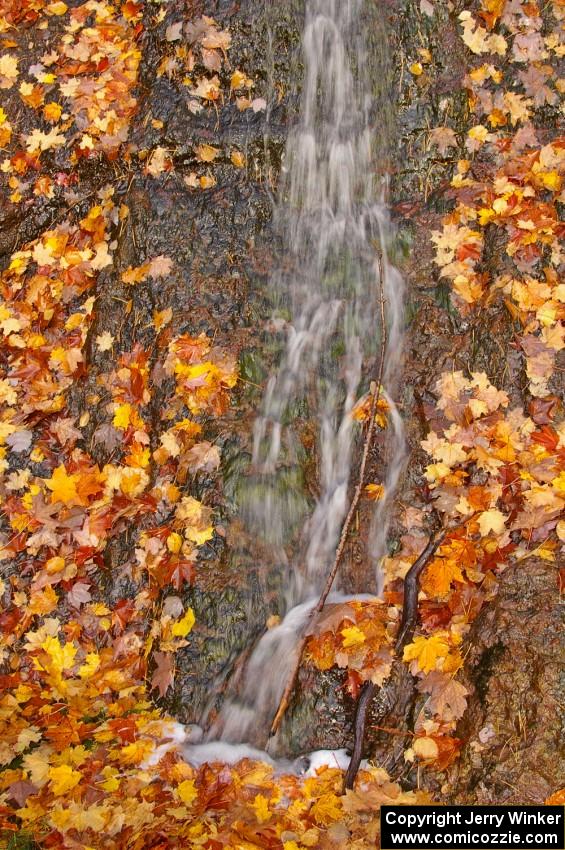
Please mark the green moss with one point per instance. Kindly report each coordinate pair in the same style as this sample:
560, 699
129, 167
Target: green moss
251, 367
18, 841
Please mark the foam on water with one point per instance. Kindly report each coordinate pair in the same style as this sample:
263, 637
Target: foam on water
226, 753
188, 741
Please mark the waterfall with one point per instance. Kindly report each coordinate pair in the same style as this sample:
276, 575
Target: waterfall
334, 229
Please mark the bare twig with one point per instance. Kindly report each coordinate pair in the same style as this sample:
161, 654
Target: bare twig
404, 636
287, 693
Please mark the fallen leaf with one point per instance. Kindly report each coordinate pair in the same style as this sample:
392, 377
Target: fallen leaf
63, 778
425, 748
164, 675
427, 651
104, 341
206, 153
492, 520
184, 626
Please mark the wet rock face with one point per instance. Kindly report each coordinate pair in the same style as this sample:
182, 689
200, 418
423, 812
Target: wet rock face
222, 246
230, 620
319, 718
515, 725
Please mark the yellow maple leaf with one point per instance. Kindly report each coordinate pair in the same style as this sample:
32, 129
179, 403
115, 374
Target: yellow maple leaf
207, 181
239, 80
184, 626
134, 275
207, 89
52, 112
90, 666
111, 781
37, 767
30, 735
374, 491
427, 651
187, 791
479, 133
77, 817
475, 39
453, 662
161, 318
104, 341
261, 807
550, 179
63, 778
327, 809
497, 44
238, 159
558, 483
353, 636
42, 601
189, 510
198, 536
426, 748
57, 8
439, 575
436, 472
61, 656
546, 550
8, 70
63, 486
133, 481
122, 416
174, 542
136, 752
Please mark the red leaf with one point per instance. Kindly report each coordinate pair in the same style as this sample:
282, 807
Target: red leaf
125, 728
353, 683
175, 571
546, 437
122, 614
448, 750
542, 410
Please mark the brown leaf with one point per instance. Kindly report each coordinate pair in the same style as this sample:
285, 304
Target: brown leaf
20, 791
164, 674
79, 594
160, 266
211, 59
443, 138
20, 441
446, 695
65, 431
331, 618
534, 82
174, 31
203, 457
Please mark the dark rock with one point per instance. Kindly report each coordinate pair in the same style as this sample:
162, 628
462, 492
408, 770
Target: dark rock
514, 727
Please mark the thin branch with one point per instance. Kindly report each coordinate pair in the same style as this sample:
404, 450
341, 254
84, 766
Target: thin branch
405, 632
287, 693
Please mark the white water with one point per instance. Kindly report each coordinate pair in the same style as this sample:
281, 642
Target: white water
245, 717
333, 225
188, 741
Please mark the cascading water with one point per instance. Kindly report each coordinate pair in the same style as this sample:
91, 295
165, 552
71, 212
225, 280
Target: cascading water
334, 230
